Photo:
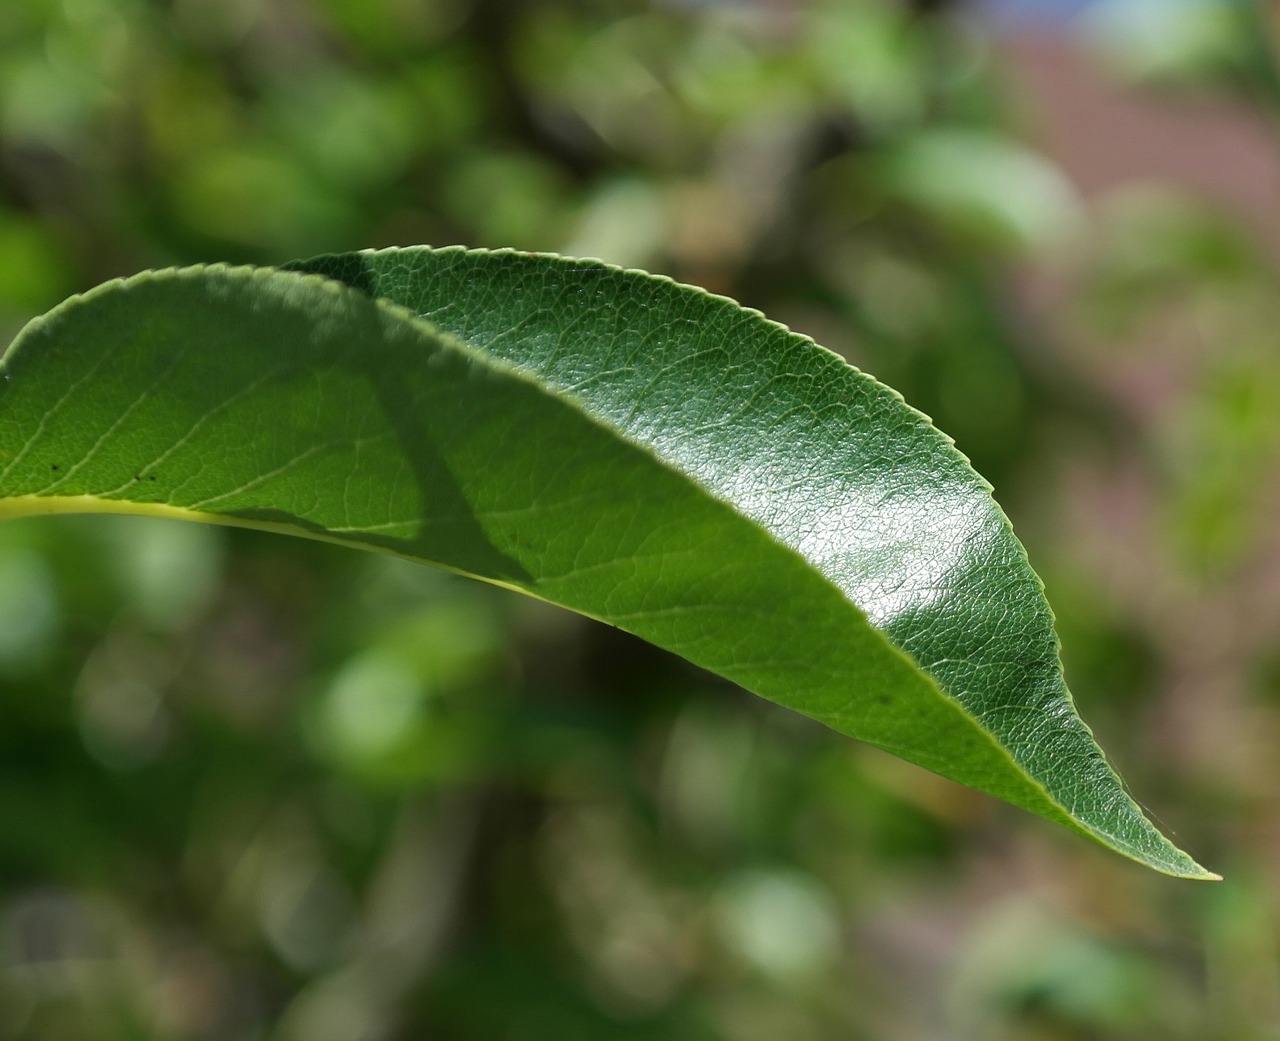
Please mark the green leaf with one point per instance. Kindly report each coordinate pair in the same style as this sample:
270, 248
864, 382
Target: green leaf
635, 450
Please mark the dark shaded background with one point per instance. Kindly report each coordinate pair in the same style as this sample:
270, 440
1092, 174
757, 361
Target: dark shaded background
254, 788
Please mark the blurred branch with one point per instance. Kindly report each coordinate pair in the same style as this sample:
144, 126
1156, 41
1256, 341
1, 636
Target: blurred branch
494, 26
927, 8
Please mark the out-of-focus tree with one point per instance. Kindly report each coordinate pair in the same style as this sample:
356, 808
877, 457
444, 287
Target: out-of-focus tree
251, 788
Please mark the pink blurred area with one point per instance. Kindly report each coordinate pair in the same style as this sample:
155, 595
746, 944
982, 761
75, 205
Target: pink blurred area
1106, 133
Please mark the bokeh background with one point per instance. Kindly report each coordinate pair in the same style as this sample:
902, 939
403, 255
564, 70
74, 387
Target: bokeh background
256, 788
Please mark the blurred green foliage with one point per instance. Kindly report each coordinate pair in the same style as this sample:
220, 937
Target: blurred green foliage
251, 788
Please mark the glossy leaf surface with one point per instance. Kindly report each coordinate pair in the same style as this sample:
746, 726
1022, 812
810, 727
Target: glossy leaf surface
632, 449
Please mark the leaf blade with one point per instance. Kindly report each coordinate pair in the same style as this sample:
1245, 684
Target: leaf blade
541, 434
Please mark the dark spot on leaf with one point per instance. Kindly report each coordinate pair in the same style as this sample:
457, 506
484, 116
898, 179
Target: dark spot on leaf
152, 477
54, 466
